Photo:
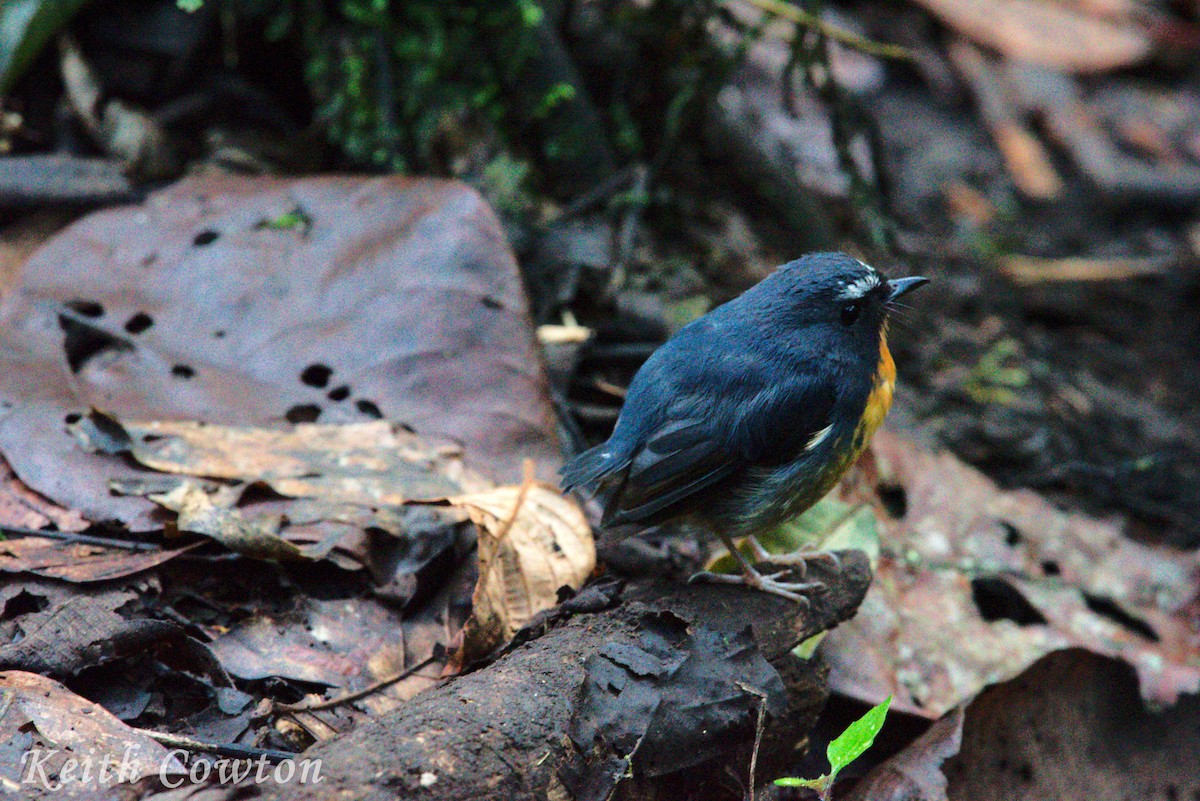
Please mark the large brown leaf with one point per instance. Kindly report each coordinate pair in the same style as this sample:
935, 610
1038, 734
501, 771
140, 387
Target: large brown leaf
251, 301
976, 584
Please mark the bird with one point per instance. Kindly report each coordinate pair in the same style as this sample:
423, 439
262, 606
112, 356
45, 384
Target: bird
751, 413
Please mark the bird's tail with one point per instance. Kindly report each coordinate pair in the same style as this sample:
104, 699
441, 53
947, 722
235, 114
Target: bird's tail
592, 466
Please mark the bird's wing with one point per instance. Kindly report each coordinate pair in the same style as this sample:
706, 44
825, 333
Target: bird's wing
729, 428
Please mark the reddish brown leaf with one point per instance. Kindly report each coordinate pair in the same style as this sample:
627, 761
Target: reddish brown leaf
78, 562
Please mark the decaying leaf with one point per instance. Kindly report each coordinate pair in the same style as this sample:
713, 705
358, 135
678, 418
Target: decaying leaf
400, 300
1072, 726
214, 515
533, 542
372, 464
79, 562
78, 629
21, 507
78, 728
1049, 34
976, 584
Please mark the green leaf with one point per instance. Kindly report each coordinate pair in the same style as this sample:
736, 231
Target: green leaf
819, 784
857, 738
25, 28
190, 6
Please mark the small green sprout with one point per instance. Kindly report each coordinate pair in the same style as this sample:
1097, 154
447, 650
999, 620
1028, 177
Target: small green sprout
190, 6
296, 219
847, 747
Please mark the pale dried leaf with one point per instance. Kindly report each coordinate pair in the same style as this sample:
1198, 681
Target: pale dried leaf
532, 542
372, 464
202, 513
1045, 33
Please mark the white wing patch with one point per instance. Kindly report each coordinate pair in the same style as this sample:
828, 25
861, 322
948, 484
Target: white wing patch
818, 437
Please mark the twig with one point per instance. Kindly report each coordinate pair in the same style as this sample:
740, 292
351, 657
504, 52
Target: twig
783, 10
354, 696
220, 749
83, 539
759, 727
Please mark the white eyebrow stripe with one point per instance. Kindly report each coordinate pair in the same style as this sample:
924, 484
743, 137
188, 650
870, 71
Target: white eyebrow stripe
861, 286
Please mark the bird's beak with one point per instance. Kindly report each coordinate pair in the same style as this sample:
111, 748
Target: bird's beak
902, 286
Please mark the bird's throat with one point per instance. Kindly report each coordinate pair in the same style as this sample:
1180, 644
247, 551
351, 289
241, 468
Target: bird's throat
880, 399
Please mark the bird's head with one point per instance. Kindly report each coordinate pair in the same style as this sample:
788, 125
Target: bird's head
834, 299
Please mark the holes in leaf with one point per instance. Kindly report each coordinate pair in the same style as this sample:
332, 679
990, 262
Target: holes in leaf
316, 375
205, 238
219, 334
303, 413
86, 308
138, 323
72, 418
369, 409
339, 393
24, 603
1107, 608
490, 302
1051, 568
82, 342
895, 499
182, 371
1012, 537
996, 599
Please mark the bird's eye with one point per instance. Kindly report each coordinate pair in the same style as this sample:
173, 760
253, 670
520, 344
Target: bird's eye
850, 312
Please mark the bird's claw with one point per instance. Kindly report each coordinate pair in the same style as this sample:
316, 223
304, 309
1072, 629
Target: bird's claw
764, 583
798, 559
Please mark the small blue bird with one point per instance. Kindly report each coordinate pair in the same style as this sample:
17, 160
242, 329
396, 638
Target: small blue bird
750, 414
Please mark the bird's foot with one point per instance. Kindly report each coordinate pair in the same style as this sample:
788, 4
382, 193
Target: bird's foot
798, 558
769, 583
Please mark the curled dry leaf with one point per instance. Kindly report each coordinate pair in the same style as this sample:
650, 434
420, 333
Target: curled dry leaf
1046, 33
80, 728
213, 516
977, 583
533, 541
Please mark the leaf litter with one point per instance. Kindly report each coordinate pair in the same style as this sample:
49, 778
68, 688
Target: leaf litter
264, 355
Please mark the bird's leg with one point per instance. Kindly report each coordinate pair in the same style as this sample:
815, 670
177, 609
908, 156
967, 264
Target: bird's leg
799, 557
752, 578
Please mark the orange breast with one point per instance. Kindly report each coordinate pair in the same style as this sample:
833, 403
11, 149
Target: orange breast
880, 399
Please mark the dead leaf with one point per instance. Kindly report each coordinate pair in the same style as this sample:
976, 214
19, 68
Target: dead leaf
80, 630
213, 516
79, 562
1049, 34
533, 542
401, 301
978, 583
81, 729
372, 464
1072, 726
21, 507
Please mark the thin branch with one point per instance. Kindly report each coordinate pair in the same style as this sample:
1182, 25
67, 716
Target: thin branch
784, 10
220, 749
354, 696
